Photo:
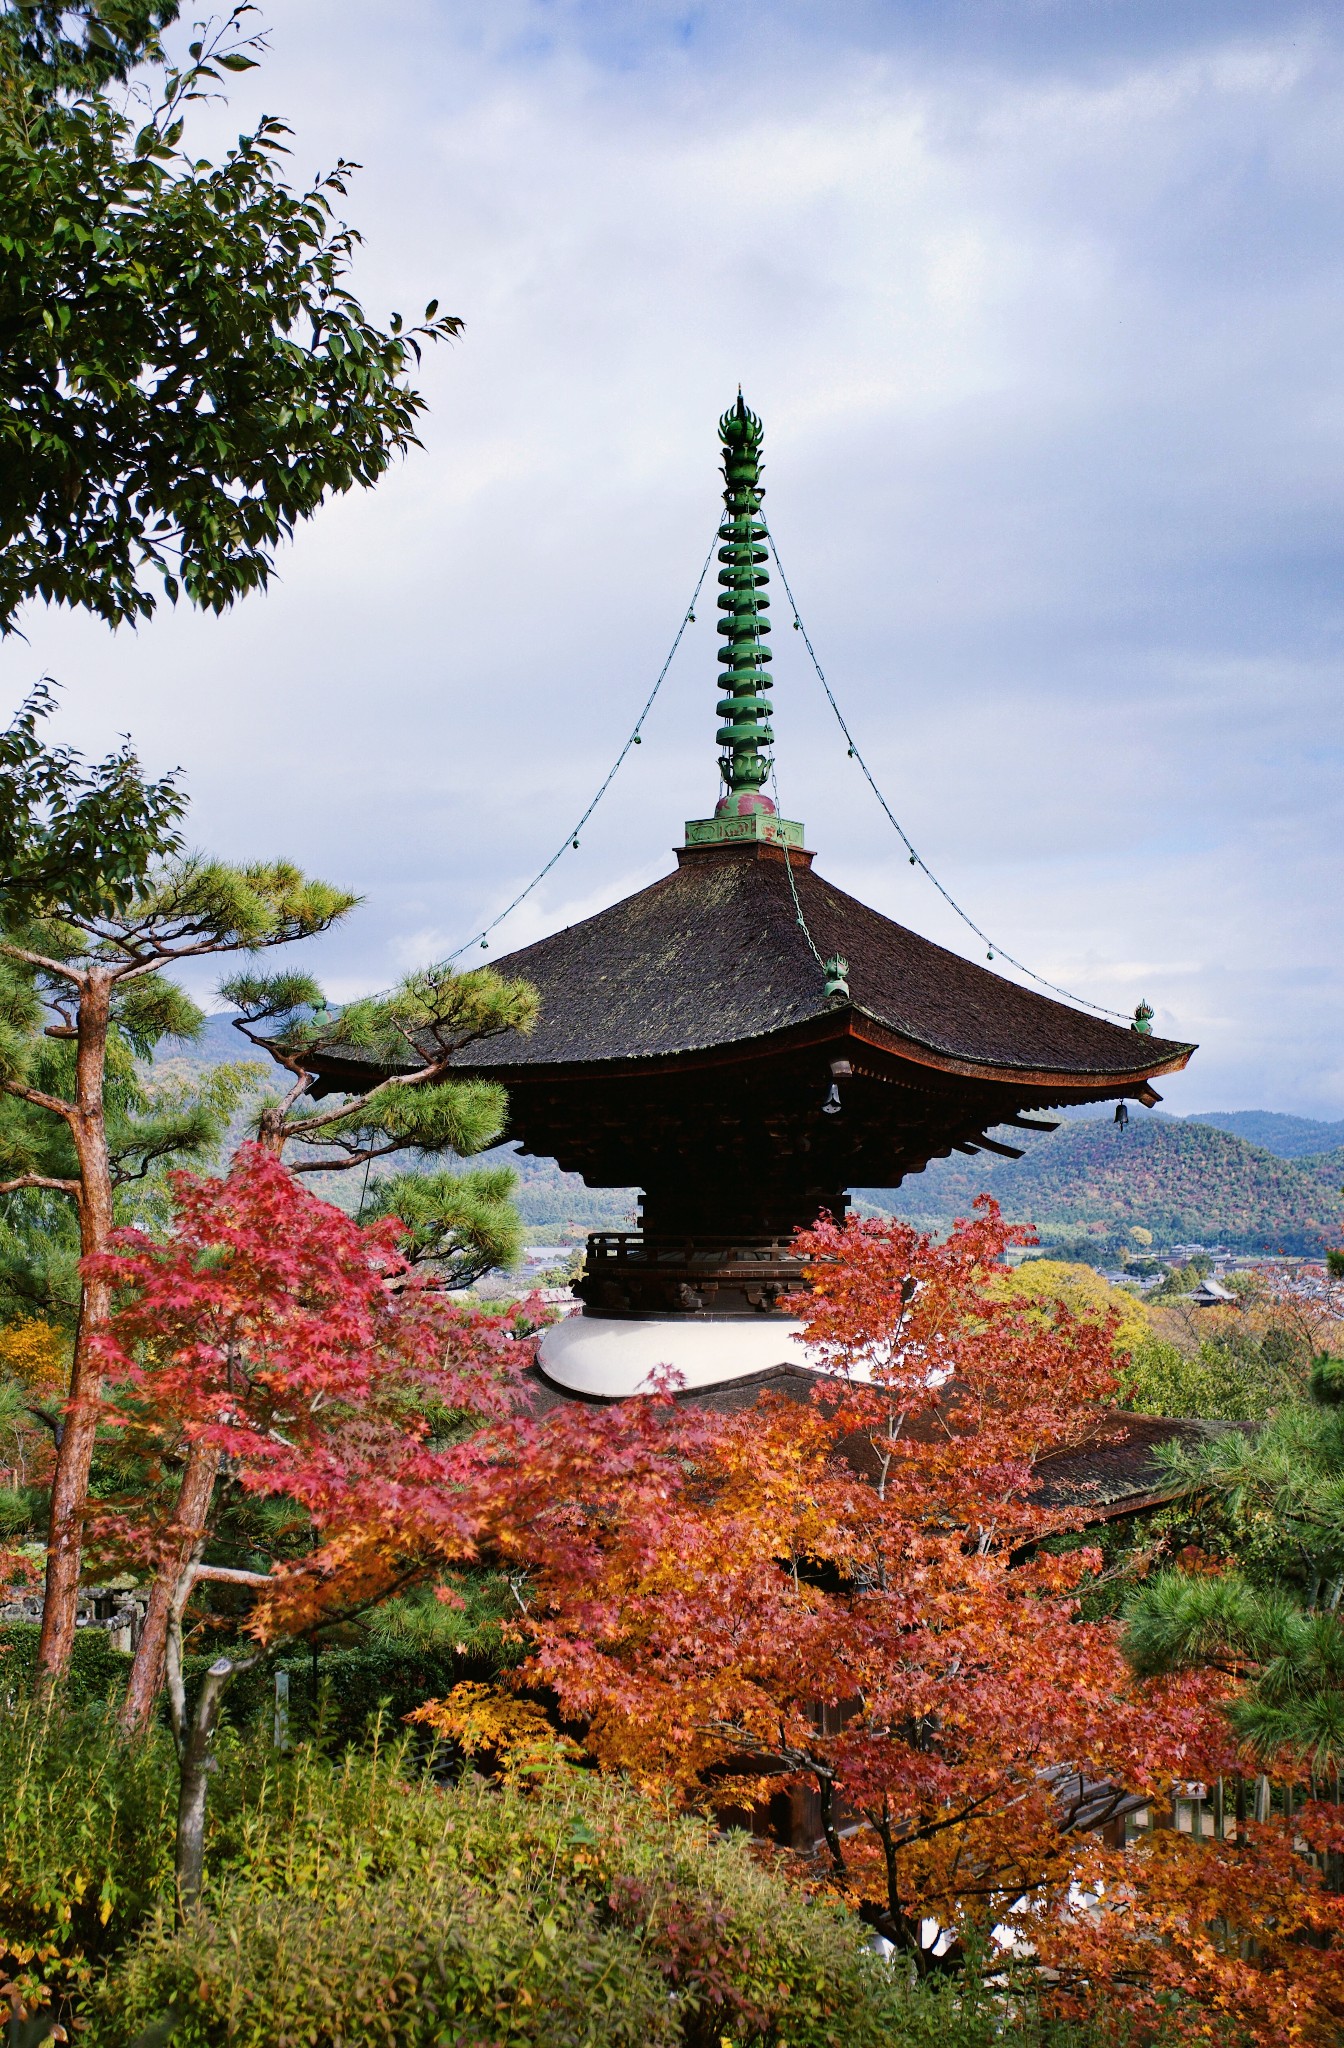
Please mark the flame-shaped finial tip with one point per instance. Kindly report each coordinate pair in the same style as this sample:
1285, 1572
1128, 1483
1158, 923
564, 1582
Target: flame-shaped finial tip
739, 426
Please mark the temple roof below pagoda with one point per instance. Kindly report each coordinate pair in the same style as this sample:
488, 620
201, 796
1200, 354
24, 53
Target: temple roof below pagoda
713, 956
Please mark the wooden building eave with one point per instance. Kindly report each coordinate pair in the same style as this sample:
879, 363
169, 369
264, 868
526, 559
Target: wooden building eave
843, 1030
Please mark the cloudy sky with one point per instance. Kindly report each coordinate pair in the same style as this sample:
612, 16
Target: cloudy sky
1040, 301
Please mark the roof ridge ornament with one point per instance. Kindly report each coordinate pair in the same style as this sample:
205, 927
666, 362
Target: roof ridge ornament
744, 814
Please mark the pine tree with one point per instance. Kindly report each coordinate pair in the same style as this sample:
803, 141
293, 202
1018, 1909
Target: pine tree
1274, 1504
98, 906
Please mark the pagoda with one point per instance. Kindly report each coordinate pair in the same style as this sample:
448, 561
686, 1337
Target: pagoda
745, 1043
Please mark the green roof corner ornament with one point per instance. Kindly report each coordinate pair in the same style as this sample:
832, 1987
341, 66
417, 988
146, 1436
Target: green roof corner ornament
1143, 1019
743, 813
836, 969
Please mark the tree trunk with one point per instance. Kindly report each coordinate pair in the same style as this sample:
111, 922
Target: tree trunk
896, 1924
272, 1128
74, 1457
826, 1790
196, 1766
195, 1739
187, 1535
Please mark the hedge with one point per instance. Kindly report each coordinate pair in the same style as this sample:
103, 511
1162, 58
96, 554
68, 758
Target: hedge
96, 1669
352, 1685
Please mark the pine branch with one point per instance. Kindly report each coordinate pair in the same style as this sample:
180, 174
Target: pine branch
39, 1180
52, 1103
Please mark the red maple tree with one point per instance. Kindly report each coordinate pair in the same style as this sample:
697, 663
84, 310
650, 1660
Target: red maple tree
857, 1595
274, 1337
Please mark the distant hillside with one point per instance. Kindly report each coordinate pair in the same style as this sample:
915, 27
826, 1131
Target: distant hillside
1292, 1137
559, 1203
1187, 1182
217, 1043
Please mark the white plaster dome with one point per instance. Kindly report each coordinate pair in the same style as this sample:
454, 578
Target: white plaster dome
609, 1358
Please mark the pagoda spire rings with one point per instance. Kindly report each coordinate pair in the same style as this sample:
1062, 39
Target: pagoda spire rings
744, 605
744, 736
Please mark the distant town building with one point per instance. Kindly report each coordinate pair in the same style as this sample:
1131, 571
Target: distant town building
1210, 1293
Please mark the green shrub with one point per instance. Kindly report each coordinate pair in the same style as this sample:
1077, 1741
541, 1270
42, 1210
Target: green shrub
96, 1669
361, 1901
358, 1904
412, 1960
353, 1687
86, 1844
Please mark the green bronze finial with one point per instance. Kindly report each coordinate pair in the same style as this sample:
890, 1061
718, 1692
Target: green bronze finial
744, 606
744, 625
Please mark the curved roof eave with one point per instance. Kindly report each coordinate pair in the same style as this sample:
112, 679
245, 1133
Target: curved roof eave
851, 1022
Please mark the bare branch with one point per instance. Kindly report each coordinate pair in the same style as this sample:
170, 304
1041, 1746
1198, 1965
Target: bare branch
139, 966
62, 968
435, 1071
301, 1086
226, 1575
52, 1103
177, 1691
341, 1165
39, 1180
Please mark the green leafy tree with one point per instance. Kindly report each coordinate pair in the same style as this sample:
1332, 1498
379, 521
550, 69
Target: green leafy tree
1236, 1363
1234, 1376
58, 47
185, 374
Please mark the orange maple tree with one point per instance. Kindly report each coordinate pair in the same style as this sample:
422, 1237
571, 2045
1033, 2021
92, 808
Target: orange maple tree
855, 1595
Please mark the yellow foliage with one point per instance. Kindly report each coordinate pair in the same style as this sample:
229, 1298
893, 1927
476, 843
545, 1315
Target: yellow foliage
1041, 1283
36, 1355
517, 1730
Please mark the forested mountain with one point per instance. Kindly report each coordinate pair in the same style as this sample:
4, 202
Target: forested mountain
1292, 1137
1185, 1181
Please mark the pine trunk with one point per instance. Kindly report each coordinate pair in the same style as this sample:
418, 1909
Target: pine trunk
74, 1456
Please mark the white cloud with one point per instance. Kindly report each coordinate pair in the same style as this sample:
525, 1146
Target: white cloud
1044, 339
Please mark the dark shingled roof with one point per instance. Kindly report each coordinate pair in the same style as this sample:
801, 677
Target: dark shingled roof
713, 956
725, 1397
1120, 1471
